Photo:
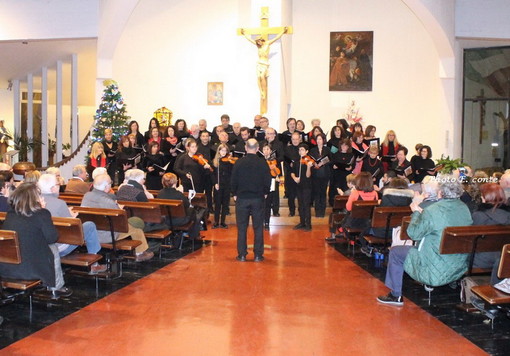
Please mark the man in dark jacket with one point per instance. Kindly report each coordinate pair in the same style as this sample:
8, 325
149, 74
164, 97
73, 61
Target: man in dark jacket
250, 184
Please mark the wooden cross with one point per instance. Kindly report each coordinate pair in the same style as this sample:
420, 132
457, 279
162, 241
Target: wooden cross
263, 32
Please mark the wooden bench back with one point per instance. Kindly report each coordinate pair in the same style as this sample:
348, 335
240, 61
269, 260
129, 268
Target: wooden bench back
102, 217
460, 239
71, 198
389, 216
70, 231
171, 208
148, 212
504, 263
406, 220
9, 247
363, 209
199, 199
340, 202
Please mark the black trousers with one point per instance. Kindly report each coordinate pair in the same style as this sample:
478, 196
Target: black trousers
320, 186
244, 209
268, 204
221, 202
208, 187
304, 196
291, 193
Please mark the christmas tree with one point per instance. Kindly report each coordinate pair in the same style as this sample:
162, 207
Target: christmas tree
111, 113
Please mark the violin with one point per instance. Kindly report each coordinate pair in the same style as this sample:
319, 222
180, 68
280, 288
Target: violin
201, 160
230, 159
273, 167
306, 159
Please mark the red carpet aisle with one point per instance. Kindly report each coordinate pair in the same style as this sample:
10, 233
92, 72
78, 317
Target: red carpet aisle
305, 299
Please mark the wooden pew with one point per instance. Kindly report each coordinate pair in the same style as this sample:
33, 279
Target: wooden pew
113, 220
361, 209
149, 213
70, 231
406, 220
387, 217
175, 209
490, 294
199, 200
340, 202
72, 199
10, 253
474, 238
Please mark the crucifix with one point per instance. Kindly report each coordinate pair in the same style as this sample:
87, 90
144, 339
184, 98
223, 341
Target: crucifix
262, 42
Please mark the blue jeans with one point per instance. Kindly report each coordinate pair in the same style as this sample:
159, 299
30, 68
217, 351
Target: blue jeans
90, 237
395, 269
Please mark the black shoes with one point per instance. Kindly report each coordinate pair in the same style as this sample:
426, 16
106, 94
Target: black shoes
266, 227
390, 299
215, 226
292, 213
307, 228
241, 258
224, 226
298, 227
276, 215
258, 259
62, 292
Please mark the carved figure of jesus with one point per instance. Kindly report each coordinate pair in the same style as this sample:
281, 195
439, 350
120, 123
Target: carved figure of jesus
263, 61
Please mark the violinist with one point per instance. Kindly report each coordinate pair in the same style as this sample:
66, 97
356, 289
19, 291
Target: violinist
278, 154
205, 148
275, 171
222, 162
191, 168
302, 175
320, 174
342, 163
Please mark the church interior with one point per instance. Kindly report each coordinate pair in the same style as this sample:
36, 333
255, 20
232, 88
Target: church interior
439, 76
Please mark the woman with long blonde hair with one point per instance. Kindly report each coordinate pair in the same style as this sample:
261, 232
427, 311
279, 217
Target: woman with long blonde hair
97, 157
389, 149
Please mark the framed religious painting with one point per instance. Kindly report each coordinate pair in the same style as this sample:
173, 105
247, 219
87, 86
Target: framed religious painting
215, 93
351, 61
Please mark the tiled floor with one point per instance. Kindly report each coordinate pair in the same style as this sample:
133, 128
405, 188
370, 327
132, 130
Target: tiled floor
304, 299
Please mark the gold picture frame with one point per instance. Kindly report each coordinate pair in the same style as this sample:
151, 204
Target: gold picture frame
215, 93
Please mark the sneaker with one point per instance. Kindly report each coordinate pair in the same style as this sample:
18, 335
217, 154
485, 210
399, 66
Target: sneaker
62, 292
298, 226
224, 226
97, 268
367, 251
216, 225
391, 300
144, 256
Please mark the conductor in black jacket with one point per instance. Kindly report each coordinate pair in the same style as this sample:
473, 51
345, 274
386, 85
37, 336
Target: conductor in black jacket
250, 184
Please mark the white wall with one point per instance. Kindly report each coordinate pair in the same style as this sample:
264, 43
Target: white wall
48, 19
482, 18
407, 93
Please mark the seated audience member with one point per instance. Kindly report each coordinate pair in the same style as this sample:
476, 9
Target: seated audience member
4, 196
56, 172
423, 262
8, 178
504, 182
492, 211
37, 236
428, 195
396, 194
32, 176
363, 190
133, 189
350, 185
472, 196
99, 197
49, 190
169, 182
98, 171
77, 184
496, 176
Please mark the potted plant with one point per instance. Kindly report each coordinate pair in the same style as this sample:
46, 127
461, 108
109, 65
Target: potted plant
448, 165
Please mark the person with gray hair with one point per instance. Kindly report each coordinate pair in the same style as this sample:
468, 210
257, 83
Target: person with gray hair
56, 172
57, 207
133, 190
99, 197
77, 183
504, 182
424, 263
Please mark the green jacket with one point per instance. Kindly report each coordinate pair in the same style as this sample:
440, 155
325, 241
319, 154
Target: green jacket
424, 263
